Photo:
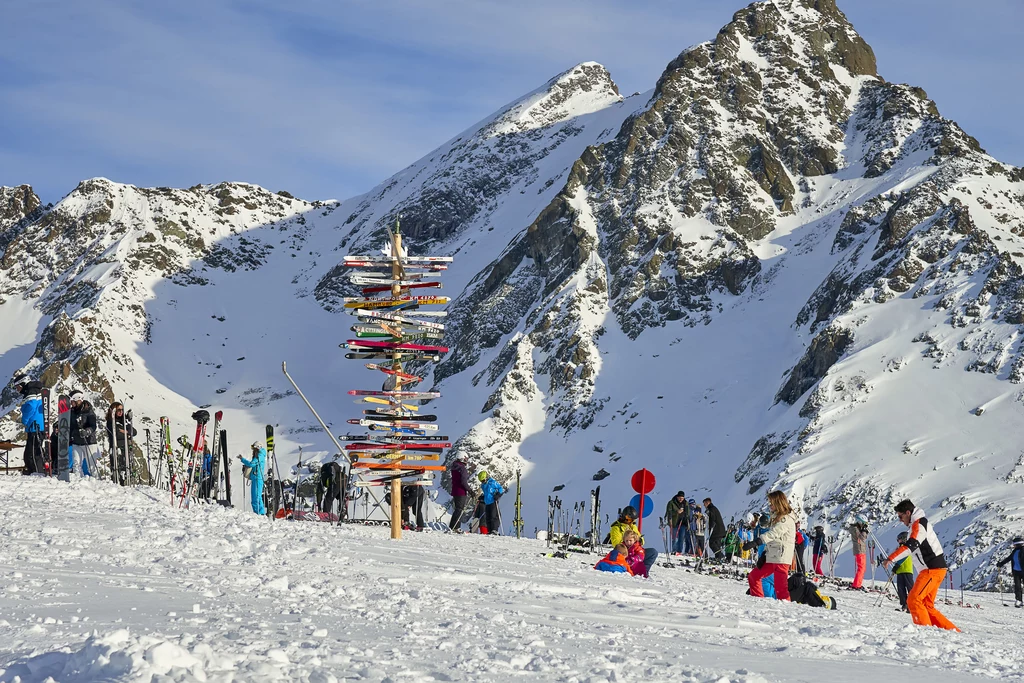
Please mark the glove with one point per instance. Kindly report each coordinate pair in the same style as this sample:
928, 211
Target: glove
881, 560
750, 545
1000, 563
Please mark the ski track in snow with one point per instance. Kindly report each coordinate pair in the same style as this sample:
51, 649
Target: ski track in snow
104, 584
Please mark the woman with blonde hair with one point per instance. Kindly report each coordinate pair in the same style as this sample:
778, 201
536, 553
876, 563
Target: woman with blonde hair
779, 541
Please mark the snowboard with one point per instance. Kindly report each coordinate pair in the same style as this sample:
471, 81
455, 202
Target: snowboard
63, 437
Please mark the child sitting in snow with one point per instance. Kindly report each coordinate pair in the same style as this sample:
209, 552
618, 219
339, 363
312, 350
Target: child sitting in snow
615, 561
634, 553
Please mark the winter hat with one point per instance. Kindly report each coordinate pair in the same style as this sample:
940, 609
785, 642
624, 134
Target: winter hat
76, 395
462, 457
680, 495
482, 476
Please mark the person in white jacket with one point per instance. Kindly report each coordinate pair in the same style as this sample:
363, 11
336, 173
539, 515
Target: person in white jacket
779, 541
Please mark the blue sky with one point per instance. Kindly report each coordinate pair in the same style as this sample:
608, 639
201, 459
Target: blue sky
326, 98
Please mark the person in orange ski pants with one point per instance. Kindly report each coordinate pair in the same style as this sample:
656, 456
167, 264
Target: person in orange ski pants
924, 544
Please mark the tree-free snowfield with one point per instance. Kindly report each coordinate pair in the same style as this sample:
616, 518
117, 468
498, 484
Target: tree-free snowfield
105, 584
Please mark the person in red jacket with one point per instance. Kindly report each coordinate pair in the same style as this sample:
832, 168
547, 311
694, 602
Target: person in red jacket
460, 492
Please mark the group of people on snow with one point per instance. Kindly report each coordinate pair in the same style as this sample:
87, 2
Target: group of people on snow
41, 455
777, 542
485, 516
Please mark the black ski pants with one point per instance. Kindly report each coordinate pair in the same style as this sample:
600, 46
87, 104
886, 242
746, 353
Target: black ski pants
34, 453
1018, 584
491, 519
716, 546
413, 497
904, 582
458, 511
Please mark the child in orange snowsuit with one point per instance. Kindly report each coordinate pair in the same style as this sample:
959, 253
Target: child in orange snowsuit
615, 561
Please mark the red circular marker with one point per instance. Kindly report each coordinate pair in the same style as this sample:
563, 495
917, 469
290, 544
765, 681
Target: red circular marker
643, 481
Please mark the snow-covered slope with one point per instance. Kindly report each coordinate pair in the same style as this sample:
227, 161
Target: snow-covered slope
774, 269
135, 591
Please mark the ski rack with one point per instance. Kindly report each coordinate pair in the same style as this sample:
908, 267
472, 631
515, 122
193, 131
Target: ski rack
398, 328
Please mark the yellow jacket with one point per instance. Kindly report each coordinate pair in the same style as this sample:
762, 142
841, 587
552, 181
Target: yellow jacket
619, 528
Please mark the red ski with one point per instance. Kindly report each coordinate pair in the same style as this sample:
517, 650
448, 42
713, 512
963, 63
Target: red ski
404, 288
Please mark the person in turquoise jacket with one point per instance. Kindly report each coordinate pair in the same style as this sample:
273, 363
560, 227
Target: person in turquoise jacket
257, 469
491, 490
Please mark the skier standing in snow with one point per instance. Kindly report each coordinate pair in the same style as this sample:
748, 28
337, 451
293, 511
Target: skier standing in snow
32, 419
778, 541
1016, 558
801, 546
903, 570
328, 487
700, 526
677, 517
84, 446
460, 492
257, 471
859, 535
716, 529
627, 522
732, 543
924, 545
819, 548
491, 491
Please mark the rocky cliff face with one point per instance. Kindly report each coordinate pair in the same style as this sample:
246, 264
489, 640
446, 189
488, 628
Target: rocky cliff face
774, 269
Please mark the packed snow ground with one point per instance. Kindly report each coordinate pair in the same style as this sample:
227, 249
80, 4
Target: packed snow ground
104, 584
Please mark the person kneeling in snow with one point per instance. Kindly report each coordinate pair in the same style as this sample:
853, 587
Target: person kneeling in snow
257, 468
806, 593
627, 522
615, 561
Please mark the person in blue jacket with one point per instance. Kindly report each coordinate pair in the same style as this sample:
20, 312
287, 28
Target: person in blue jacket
32, 419
491, 490
257, 469
1016, 558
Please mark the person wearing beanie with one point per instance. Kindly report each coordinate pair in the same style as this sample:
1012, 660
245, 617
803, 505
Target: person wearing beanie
84, 443
491, 491
32, 419
677, 517
1016, 560
460, 492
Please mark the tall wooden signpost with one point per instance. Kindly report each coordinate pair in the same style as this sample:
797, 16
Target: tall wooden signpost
395, 328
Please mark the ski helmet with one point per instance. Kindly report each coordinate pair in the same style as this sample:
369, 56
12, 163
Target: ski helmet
461, 457
860, 519
751, 518
482, 476
1019, 540
256, 445
764, 520
902, 537
629, 511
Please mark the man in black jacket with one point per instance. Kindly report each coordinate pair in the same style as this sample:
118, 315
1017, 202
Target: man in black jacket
716, 529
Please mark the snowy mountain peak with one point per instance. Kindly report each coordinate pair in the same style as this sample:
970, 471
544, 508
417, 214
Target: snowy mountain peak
583, 89
16, 205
